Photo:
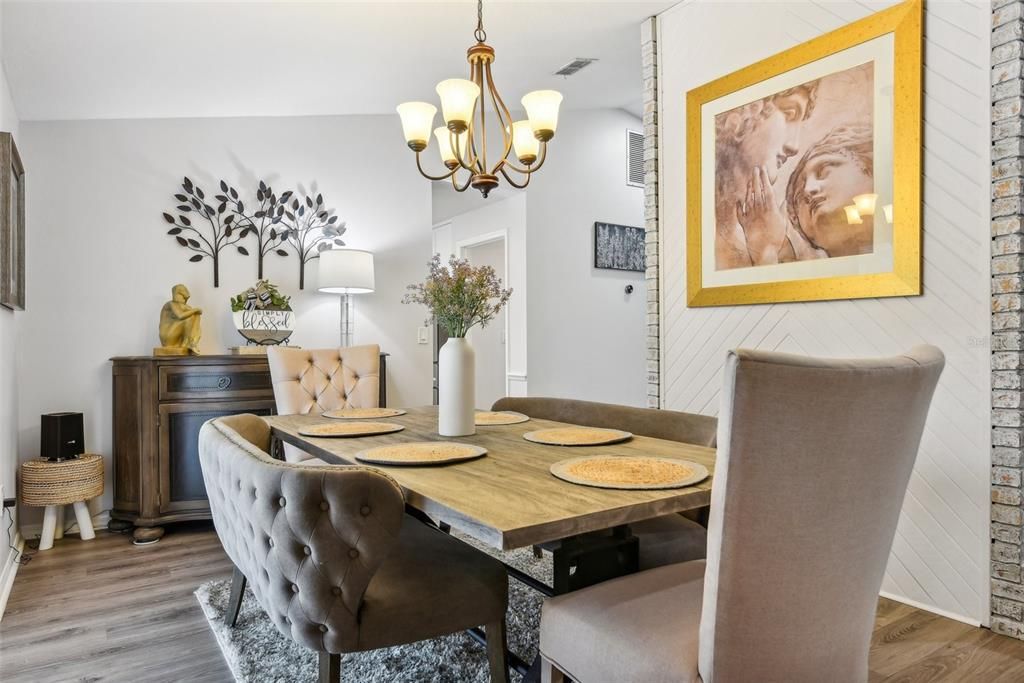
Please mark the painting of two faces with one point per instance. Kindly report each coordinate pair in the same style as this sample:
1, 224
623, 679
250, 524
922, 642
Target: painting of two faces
787, 169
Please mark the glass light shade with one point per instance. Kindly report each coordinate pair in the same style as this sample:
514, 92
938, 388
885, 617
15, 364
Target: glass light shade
865, 204
852, 216
888, 213
527, 147
457, 99
345, 271
417, 120
444, 142
542, 110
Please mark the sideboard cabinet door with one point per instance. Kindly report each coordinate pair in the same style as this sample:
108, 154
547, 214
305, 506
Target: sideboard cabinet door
181, 477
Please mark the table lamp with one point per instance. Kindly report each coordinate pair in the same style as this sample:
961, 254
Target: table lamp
346, 272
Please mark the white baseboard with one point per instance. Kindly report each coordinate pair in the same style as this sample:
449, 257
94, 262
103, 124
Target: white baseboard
931, 608
99, 521
8, 571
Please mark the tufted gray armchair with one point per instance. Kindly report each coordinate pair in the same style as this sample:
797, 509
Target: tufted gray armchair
333, 559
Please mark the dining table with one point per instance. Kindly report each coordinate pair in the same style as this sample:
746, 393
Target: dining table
509, 498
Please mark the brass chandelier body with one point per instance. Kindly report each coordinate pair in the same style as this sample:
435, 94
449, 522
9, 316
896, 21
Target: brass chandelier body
462, 141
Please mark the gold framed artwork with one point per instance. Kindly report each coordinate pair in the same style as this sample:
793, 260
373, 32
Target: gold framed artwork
804, 170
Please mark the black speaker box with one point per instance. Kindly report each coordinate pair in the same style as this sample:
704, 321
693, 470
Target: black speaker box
61, 436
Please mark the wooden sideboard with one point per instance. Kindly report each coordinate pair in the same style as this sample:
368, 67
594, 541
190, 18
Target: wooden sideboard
160, 403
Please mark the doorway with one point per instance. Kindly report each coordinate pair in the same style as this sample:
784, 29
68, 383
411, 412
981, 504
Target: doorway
489, 342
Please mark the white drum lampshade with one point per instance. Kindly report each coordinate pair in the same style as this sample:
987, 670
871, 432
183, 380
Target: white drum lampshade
346, 271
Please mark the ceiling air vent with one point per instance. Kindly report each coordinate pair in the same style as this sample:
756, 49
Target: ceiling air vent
635, 162
574, 66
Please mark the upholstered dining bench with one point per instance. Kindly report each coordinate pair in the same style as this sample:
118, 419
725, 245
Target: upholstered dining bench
333, 559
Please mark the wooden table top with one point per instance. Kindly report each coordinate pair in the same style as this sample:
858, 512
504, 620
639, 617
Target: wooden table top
509, 499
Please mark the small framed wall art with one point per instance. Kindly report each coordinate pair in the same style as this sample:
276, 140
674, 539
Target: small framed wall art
804, 170
12, 225
619, 247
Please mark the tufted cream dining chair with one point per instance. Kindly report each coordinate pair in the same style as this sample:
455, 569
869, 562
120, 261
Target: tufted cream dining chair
814, 457
662, 540
333, 560
317, 380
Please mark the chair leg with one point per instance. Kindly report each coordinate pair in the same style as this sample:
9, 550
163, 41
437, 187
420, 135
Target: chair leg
497, 651
235, 601
538, 554
330, 668
549, 673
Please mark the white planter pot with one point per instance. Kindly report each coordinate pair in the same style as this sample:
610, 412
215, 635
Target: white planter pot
456, 375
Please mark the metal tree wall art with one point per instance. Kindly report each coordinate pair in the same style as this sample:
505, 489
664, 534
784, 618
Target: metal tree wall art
208, 236
311, 230
265, 221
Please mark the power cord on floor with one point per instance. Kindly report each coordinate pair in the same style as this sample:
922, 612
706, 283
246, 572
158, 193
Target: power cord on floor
21, 557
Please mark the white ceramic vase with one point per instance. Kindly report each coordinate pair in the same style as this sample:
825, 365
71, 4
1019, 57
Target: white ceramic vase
456, 375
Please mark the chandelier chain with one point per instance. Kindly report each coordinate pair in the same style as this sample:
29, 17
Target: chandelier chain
480, 34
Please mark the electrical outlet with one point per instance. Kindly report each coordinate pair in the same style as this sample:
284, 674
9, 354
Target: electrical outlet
10, 502
422, 335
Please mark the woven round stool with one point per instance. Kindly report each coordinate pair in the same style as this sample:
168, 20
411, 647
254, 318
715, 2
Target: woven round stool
56, 484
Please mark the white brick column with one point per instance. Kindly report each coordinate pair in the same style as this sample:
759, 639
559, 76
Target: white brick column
1007, 606
649, 50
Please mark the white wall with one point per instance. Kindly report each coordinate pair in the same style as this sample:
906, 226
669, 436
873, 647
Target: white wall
587, 338
940, 555
100, 265
507, 215
9, 322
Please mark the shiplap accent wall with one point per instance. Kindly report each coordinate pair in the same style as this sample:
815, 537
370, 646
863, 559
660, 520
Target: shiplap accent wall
940, 555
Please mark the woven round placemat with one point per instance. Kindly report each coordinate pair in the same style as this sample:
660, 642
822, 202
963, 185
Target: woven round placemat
486, 418
421, 453
577, 436
363, 413
629, 472
350, 429
60, 483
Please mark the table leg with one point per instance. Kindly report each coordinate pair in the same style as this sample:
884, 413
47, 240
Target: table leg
49, 524
58, 528
84, 521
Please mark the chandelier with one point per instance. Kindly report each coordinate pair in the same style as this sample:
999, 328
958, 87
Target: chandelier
462, 141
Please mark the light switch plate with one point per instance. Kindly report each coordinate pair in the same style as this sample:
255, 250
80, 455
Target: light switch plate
422, 335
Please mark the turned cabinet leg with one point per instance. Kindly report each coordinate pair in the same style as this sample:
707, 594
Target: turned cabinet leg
84, 521
49, 525
235, 601
549, 673
58, 529
330, 668
497, 651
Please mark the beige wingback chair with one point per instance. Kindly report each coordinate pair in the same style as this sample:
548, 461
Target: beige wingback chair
332, 558
663, 540
317, 380
813, 462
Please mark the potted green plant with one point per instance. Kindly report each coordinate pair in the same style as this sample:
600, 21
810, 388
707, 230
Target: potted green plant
459, 297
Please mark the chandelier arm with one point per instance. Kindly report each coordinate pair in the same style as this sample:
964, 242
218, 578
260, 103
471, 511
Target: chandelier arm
453, 140
432, 177
456, 185
482, 101
506, 121
501, 169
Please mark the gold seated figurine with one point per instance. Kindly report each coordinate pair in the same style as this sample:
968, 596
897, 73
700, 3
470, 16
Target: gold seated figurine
179, 325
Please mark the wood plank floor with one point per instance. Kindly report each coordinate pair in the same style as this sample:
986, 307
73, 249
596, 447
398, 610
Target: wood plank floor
110, 611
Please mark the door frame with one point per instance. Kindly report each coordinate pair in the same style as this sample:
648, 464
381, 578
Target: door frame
479, 240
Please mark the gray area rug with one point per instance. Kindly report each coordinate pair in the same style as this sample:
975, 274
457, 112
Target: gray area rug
257, 653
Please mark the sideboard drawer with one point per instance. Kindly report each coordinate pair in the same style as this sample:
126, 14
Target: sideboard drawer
182, 382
